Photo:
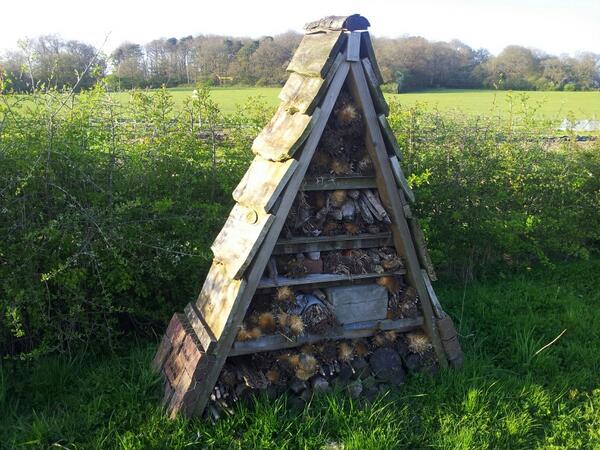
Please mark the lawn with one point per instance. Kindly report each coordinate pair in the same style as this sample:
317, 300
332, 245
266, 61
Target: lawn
554, 106
513, 393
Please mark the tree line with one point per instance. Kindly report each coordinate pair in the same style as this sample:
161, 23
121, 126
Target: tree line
407, 64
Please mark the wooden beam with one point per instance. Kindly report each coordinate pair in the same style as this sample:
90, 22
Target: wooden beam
257, 267
304, 93
389, 137
332, 183
419, 238
316, 53
349, 331
336, 242
380, 104
263, 182
401, 179
353, 46
390, 197
367, 51
323, 279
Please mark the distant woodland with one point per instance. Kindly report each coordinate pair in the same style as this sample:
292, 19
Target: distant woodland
407, 64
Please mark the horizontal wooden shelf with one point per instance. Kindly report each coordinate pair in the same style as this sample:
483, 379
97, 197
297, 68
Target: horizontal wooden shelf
322, 279
336, 242
332, 182
348, 331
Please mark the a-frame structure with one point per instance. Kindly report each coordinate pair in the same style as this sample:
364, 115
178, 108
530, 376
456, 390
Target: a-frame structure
333, 67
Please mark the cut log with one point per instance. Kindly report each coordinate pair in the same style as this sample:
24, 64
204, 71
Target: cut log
382, 214
365, 211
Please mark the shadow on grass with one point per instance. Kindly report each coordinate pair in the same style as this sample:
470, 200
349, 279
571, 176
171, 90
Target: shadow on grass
509, 394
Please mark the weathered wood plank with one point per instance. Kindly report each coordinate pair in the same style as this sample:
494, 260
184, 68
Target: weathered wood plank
240, 238
332, 183
435, 303
256, 270
316, 53
327, 243
218, 296
367, 51
322, 279
380, 104
284, 134
351, 23
203, 333
349, 331
401, 179
263, 182
389, 137
421, 245
390, 196
304, 93
353, 46
360, 303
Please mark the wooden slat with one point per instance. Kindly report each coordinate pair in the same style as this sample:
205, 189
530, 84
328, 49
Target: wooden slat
437, 307
263, 182
349, 331
367, 51
332, 183
391, 199
353, 46
256, 270
203, 332
401, 179
316, 53
421, 245
240, 238
336, 242
218, 297
284, 134
304, 93
380, 104
323, 279
389, 137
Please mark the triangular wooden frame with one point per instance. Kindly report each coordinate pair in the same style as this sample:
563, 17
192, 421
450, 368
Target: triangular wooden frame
198, 342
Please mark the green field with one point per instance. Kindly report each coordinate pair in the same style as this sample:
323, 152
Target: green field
553, 106
513, 393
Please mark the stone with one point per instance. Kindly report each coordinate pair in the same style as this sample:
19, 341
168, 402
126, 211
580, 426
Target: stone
320, 385
355, 389
386, 364
361, 368
297, 386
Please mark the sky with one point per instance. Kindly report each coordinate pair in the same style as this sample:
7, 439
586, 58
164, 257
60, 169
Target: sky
554, 26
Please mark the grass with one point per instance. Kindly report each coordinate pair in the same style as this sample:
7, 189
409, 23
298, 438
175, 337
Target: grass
552, 106
509, 395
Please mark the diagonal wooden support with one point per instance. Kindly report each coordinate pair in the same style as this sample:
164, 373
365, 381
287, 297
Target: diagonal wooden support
256, 270
390, 196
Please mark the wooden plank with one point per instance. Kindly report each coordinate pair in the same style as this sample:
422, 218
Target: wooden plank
316, 53
217, 298
367, 51
239, 239
380, 104
421, 245
332, 183
323, 279
256, 270
336, 242
389, 137
401, 179
390, 196
360, 303
263, 182
205, 337
284, 134
353, 46
304, 93
353, 22
435, 303
349, 331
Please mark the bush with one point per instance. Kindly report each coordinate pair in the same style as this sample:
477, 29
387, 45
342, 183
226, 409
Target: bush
107, 212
